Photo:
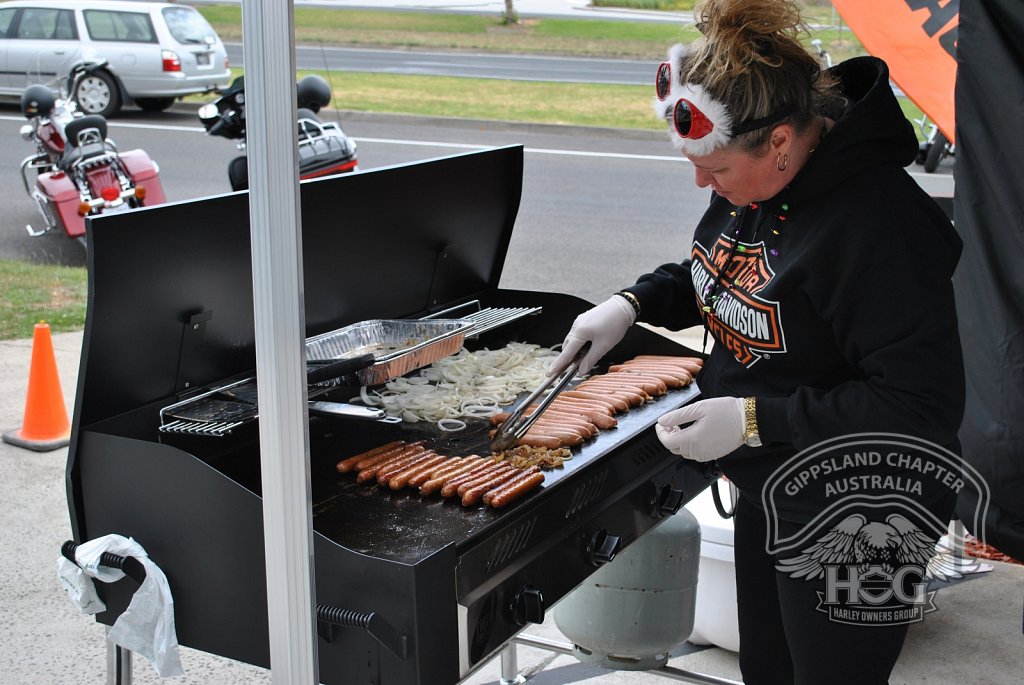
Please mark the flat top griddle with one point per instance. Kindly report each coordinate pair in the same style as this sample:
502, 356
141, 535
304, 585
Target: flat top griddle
406, 527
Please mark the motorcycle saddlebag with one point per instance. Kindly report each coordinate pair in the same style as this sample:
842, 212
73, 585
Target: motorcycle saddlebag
324, 155
145, 173
58, 197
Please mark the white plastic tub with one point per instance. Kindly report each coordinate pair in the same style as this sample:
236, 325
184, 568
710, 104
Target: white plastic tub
715, 613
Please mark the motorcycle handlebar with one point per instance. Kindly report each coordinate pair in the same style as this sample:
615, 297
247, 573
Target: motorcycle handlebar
218, 126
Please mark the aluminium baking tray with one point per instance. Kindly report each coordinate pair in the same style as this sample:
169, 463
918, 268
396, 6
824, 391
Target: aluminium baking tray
398, 345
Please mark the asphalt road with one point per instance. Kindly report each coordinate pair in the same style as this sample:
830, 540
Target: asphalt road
596, 211
476, 65
599, 207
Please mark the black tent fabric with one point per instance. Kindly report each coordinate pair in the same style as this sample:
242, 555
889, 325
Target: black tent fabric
989, 215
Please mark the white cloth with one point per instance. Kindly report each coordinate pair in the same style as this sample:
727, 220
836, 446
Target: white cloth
147, 626
716, 430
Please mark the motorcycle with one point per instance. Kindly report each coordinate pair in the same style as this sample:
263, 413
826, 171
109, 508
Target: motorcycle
324, 149
79, 171
935, 146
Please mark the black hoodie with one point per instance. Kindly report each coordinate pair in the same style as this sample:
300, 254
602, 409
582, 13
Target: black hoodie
837, 309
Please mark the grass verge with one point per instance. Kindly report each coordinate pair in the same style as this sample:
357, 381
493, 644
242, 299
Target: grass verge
553, 36
524, 101
34, 293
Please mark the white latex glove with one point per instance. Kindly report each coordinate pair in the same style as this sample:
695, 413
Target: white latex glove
604, 326
716, 430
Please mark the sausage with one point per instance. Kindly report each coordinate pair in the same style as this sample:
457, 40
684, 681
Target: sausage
484, 477
563, 411
633, 381
579, 425
432, 485
678, 370
555, 418
372, 470
634, 396
564, 439
378, 458
346, 465
672, 379
515, 488
691, 364
449, 464
651, 384
609, 406
403, 478
613, 403
372, 459
475, 494
599, 419
385, 473
539, 441
451, 485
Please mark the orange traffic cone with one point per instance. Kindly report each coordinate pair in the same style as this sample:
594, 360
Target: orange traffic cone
46, 425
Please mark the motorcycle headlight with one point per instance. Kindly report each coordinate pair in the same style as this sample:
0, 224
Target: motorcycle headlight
208, 111
26, 131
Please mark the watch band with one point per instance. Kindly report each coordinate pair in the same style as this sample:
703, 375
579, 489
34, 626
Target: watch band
632, 299
751, 435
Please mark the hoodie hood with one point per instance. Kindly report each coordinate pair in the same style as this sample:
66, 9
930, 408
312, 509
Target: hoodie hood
869, 131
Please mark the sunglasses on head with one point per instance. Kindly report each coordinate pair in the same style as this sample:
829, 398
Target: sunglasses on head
691, 123
687, 119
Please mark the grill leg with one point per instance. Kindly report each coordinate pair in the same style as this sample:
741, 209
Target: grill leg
510, 674
119, 665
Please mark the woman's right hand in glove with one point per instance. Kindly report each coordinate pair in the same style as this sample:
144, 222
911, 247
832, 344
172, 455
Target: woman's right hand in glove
604, 326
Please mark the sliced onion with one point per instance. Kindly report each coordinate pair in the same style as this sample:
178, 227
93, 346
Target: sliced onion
451, 424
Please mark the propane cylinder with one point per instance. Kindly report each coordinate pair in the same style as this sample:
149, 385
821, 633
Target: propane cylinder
636, 608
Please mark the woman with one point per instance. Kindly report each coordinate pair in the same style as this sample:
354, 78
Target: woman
822, 272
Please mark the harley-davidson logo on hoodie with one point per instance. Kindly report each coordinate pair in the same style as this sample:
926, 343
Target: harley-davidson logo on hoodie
741, 320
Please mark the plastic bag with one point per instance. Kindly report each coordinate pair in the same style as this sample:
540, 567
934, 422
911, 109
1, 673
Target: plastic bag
147, 626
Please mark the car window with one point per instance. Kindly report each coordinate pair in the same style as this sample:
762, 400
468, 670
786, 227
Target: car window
6, 15
188, 26
134, 27
42, 23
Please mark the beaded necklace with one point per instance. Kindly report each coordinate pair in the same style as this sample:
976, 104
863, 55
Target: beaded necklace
712, 290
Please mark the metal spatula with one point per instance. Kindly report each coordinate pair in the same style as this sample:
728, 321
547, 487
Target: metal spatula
516, 425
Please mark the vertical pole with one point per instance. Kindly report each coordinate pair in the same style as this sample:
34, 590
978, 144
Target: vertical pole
119, 664
510, 666
275, 217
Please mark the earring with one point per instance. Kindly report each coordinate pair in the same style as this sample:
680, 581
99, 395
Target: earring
782, 161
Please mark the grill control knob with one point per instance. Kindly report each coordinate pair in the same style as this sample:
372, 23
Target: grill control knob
603, 547
669, 500
528, 606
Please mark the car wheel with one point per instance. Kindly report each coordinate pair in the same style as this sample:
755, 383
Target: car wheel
154, 104
97, 93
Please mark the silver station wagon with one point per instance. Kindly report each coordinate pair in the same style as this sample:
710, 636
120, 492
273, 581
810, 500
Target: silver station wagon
155, 52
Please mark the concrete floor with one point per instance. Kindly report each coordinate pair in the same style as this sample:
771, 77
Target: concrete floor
975, 636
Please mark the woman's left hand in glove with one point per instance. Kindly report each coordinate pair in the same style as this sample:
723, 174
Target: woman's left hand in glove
715, 430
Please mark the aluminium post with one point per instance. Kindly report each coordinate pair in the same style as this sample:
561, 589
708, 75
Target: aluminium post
275, 217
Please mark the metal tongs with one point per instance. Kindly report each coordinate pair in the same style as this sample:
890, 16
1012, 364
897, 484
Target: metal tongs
515, 426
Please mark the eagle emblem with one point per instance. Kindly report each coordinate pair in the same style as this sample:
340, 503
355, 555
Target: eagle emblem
874, 545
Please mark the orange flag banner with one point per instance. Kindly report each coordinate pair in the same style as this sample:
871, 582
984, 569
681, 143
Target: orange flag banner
917, 39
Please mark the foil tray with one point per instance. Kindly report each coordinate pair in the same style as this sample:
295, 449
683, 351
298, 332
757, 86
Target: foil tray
398, 345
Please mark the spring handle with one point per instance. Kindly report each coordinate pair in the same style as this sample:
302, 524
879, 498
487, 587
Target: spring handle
371, 622
131, 566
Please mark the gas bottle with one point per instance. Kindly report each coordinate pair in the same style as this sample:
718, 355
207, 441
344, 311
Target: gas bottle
637, 607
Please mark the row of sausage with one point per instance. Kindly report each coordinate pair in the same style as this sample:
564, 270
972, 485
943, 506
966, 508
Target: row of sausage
473, 479
579, 413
